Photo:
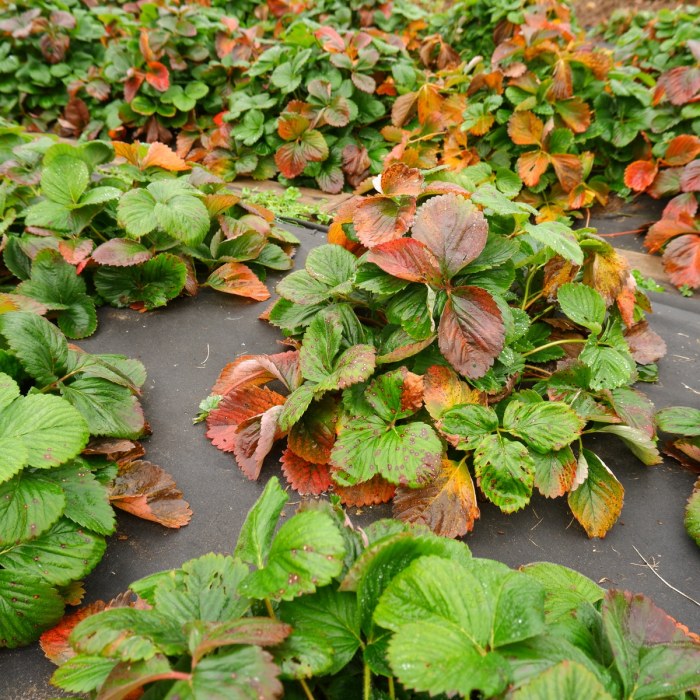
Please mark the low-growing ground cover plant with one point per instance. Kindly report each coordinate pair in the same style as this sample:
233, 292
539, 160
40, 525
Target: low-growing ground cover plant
81, 229
683, 423
319, 609
69, 452
442, 342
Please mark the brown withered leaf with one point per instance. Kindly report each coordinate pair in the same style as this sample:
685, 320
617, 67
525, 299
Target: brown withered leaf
686, 451
557, 271
149, 492
54, 642
606, 271
369, 493
447, 505
307, 478
253, 440
115, 450
645, 344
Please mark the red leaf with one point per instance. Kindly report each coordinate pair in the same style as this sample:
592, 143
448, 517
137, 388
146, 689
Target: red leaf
75, 250
667, 228
330, 40
54, 642
690, 178
307, 478
640, 174
379, 219
398, 179
369, 493
236, 407
447, 505
453, 230
237, 278
149, 492
253, 440
132, 85
471, 331
157, 76
682, 149
525, 129
531, 166
569, 170
682, 204
254, 370
407, 259
682, 260
121, 252
680, 85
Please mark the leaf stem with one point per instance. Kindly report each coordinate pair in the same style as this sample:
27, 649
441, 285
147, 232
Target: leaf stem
367, 685
392, 690
305, 687
528, 282
563, 341
270, 611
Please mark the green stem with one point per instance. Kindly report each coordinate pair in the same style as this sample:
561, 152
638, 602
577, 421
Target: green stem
392, 690
528, 282
55, 385
563, 341
367, 686
542, 313
306, 689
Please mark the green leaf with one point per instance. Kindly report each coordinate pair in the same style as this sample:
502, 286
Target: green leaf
154, 283
583, 305
564, 681
295, 406
251, 128
469, 421
86, 499
565, 588
108, 409
301, 288
38, 344
184, 217
320, 346
332, 265
307, 552
203, 589
41, 431
64, 180
681, 420
304, 654
83, 673
135, 212
560, 238
610, 367
505, 471
60, 555
256, 534
692, 515
407, 454
554, 472
29, 505
544, 426
332, 614
597, 502
412, 310
639, 443
56, 284
28, 605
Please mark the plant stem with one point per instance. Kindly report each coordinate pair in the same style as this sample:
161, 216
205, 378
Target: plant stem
563, 341
367, 685
392, 690
530, 302
305, 687
528, 282
641, 229
270, 611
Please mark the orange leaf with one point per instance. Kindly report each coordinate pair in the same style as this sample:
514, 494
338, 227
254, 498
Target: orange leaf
402, 108
369, 493
429, 102
398, 179
531, 166
307, 478
129, 151
443, 389
447, 505
667, 228
608, 272
161, 156
254, 370
157, 76
569, 170
237, 278
640, 174
690, 177
149, 492
682, 260
525, 129
575, 113
682, 149
562, 81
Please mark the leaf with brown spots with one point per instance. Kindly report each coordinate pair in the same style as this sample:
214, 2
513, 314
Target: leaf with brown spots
149, 492
555, 472
447, 505
306, 478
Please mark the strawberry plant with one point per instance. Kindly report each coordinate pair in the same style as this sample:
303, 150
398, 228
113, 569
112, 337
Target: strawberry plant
394, 611
81, 227
437, 346
684, 424
56, 488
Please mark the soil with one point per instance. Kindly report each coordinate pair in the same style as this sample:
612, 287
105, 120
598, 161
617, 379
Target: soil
591, 12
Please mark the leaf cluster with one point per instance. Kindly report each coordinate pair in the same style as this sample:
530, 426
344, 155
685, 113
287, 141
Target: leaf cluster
319, 609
